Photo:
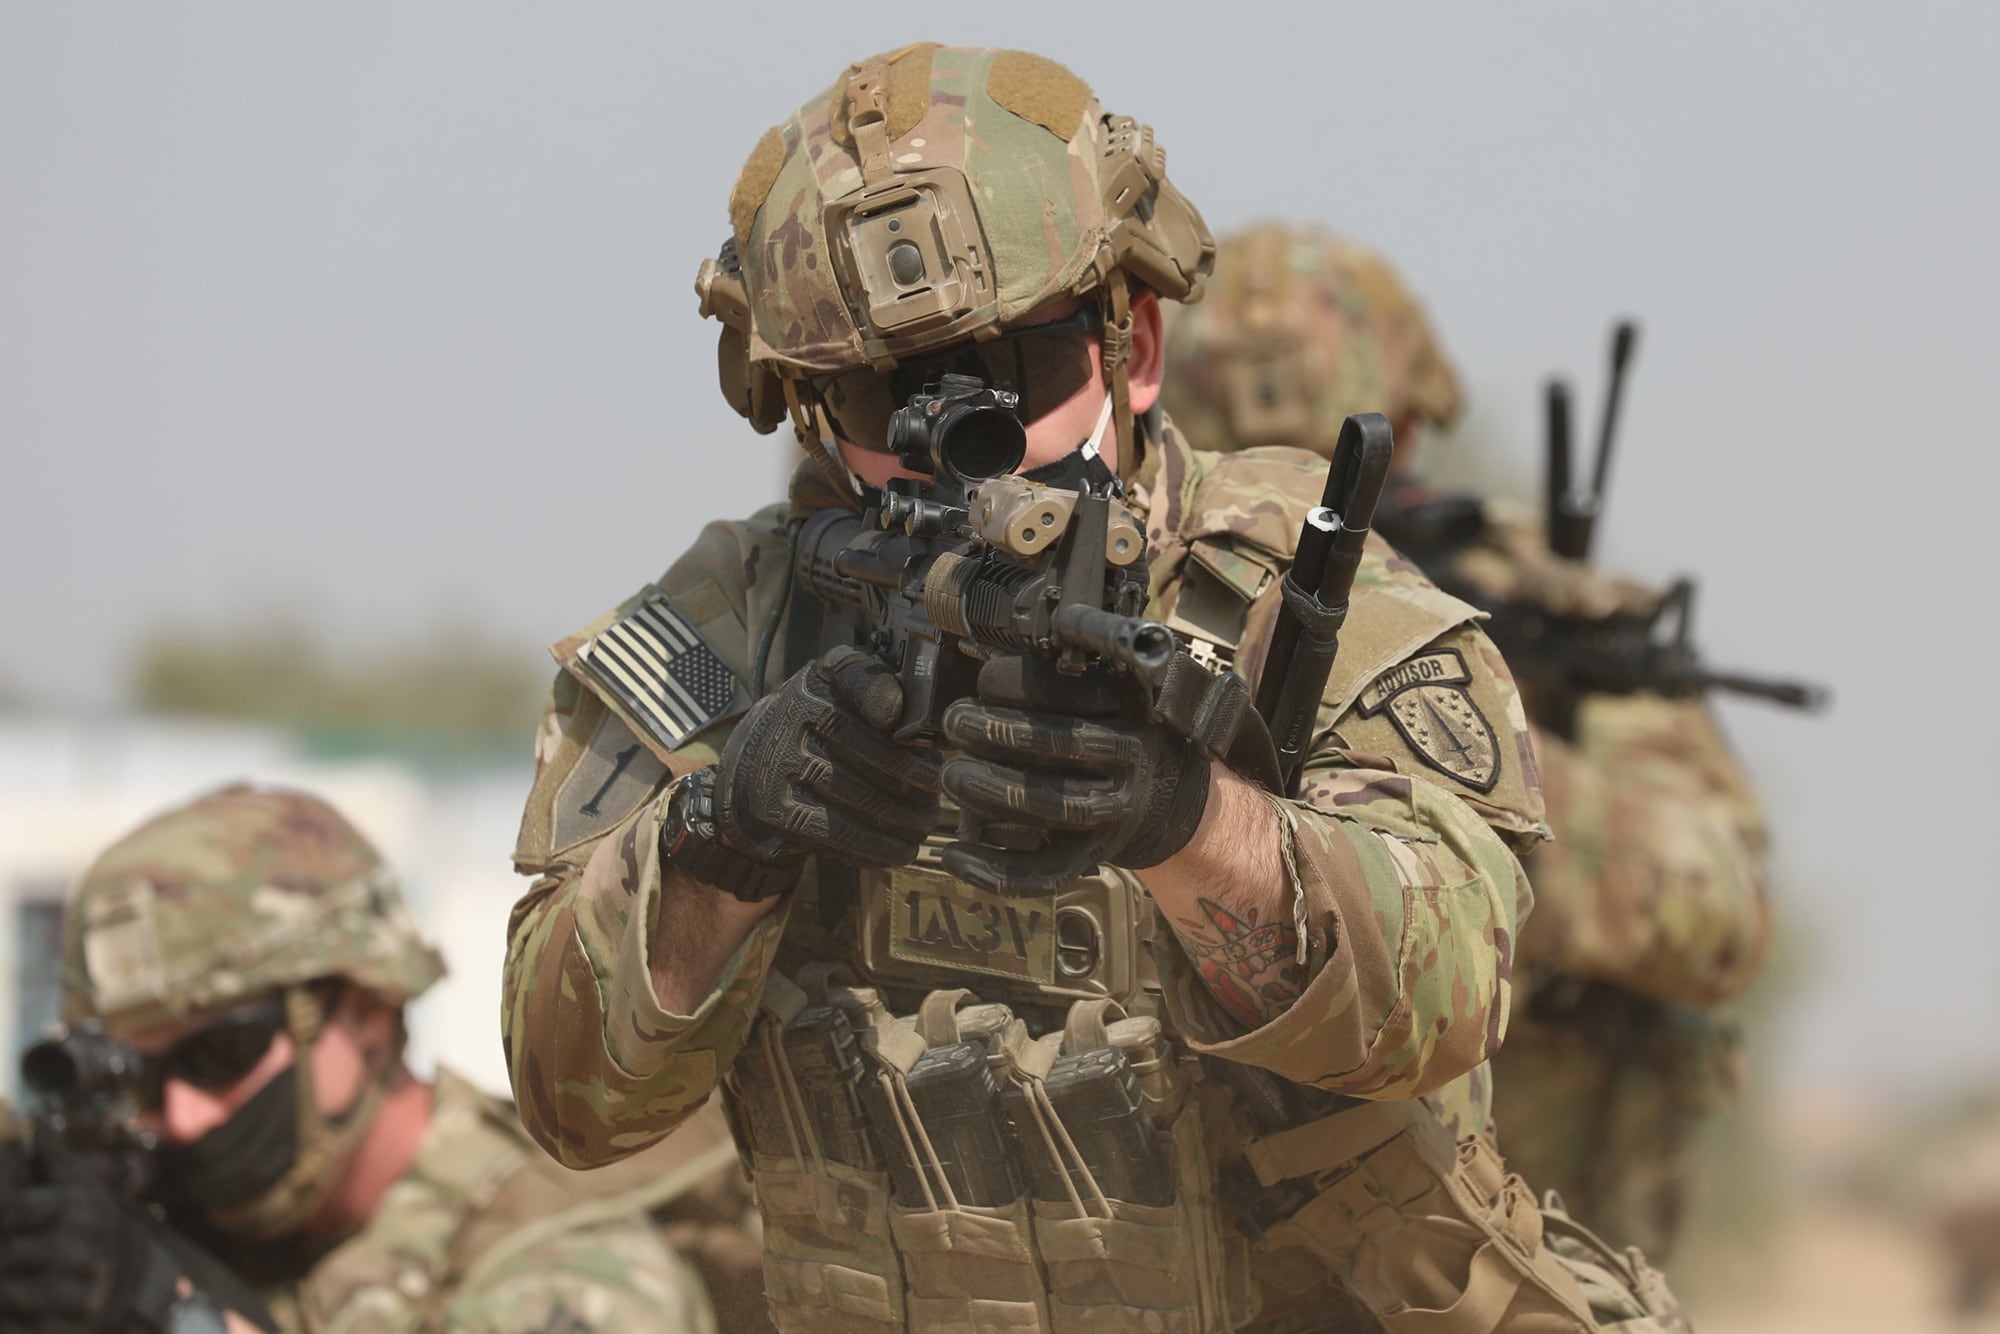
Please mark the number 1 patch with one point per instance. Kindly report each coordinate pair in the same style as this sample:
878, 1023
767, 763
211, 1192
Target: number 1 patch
1428, 701
609, 781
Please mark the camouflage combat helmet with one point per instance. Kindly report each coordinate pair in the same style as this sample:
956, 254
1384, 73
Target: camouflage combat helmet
238, 893
1300, 329
929, 196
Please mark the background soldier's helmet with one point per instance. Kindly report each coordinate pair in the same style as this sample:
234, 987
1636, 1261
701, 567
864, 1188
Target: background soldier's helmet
239, 893
930, 196
1300, 329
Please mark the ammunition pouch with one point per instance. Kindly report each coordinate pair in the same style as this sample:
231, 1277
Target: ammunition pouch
1431, 1236
945, 1172
1626, 1295
1436, 1237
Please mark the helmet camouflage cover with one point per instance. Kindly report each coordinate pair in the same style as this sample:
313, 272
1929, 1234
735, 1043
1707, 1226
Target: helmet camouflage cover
931, 195
237, 893
1300, 329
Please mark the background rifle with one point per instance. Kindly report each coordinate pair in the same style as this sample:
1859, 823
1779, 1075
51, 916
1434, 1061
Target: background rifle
1559, 659
1572, 518
81, 1122
83, 1110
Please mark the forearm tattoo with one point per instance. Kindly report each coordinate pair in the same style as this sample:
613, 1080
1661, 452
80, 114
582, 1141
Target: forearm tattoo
1250, 966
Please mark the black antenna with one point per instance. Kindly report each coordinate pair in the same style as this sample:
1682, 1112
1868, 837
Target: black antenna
1624, 337
1561, 503
1573, 517
1306, 635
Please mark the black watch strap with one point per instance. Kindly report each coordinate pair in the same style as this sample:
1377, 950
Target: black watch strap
691, 843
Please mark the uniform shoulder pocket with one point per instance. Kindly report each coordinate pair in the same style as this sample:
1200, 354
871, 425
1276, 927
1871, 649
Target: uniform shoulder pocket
650, 663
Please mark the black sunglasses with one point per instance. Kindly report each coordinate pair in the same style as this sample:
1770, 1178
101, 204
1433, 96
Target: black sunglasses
225, 1049
1044, 363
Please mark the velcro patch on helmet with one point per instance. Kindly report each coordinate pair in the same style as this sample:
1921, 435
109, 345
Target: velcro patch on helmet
909, 93
1037, 89
754, 182
655, 665
121, 949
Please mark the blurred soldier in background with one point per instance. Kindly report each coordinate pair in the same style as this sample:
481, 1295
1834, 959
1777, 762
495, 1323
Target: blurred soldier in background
1650, 905
255, 952
1193, 1097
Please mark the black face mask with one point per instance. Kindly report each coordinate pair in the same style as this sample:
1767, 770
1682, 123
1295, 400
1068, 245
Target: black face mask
1072, 471
241, 1158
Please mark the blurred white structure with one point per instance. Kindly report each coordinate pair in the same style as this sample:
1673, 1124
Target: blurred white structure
69, 786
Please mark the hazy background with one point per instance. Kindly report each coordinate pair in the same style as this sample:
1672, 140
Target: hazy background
380, 317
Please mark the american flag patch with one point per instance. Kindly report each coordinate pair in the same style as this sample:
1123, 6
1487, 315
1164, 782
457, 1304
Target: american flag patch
652, 661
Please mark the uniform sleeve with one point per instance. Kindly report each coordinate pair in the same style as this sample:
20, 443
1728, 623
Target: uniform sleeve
1656, 882
616, 1275
1407, 894
599, 1067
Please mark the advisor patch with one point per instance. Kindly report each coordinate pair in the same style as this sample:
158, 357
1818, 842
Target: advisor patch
1427, 699
654, 663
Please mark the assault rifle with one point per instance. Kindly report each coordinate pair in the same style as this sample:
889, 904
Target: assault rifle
83, 1111
1559, 659
82, 1122
968, 560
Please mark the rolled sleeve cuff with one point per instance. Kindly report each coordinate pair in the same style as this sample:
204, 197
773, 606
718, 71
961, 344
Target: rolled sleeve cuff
641, 1035
1394, 931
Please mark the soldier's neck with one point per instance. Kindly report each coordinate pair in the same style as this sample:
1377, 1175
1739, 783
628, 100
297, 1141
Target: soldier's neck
386, 1153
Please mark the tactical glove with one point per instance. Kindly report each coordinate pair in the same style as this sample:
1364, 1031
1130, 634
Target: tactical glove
812, 769
1075, 759
72, 1257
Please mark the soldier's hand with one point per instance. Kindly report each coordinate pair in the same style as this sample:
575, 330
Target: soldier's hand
72, 1257
812, 769
1075, 758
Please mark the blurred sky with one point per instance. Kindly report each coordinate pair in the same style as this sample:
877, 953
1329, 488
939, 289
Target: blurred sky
383, 312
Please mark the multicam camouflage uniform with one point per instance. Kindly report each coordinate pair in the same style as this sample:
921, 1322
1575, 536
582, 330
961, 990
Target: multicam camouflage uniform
248, 891
1401, 848
1650, 904
1652, 910
484, 1232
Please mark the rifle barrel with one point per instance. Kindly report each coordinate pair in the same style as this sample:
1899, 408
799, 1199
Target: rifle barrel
1806, 695
1140, 645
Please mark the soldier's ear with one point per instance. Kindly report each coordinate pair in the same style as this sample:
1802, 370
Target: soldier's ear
372, 1020
1147, 361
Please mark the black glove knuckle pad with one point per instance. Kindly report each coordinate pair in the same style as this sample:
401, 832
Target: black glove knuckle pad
812, 769
1077, 756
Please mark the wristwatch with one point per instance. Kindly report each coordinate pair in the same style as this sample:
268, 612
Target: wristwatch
691, 843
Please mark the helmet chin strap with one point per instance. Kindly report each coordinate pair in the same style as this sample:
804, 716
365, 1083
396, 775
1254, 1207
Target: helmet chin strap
325, 1143
1117, 306
805, 426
